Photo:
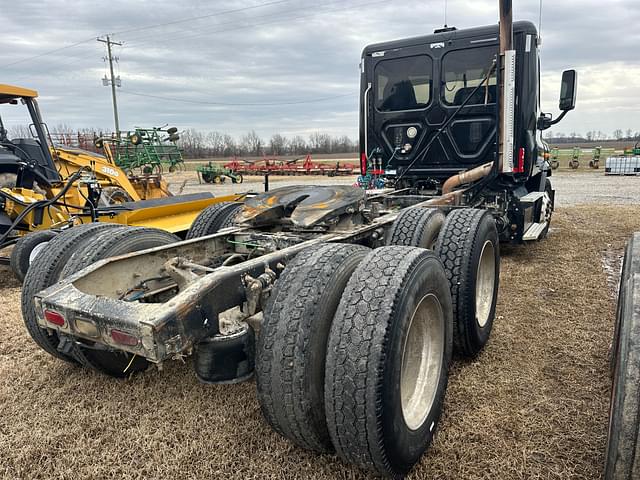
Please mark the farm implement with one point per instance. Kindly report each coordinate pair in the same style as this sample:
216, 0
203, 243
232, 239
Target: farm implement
213, 173
144, 150
275, 166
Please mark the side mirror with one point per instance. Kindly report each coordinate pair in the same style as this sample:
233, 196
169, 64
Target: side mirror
568, 90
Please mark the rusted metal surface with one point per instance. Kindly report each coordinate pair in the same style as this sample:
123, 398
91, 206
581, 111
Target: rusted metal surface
305, 205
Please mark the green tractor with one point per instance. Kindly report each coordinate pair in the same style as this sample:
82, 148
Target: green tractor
213, 173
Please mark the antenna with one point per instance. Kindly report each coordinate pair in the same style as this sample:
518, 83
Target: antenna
445, 13
540, 21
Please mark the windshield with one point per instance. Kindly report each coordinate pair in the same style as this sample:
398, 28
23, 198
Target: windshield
403, 83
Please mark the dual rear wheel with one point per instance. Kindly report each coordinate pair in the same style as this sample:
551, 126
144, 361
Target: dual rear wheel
355, 346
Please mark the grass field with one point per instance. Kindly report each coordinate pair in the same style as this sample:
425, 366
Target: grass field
533, 405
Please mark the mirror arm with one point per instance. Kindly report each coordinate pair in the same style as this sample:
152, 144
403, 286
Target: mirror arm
545, 121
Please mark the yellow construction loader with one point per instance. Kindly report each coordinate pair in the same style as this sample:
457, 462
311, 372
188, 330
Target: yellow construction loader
47, 188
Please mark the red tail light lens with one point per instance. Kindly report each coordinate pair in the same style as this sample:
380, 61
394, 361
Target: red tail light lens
54, 318
124, 338
519, 168
363, 164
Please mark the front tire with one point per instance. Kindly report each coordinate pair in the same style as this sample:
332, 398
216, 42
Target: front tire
416, 227
387, 360
469, 249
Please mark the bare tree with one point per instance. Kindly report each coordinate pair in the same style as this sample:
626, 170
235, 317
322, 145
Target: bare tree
297, 145
277, 144
252, 143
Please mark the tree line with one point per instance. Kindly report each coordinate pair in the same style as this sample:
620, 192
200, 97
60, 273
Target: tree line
198, 144
592, 136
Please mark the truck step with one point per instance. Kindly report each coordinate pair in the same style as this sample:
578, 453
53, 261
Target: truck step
534, 231
532, 197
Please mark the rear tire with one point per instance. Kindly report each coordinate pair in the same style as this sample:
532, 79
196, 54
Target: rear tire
416, 227
27, 248
382, 402
110, 244
623, 454
469, 249
44, 271
293, 342
214, 218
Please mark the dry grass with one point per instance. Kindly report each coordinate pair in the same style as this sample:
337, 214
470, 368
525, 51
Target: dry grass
533, 405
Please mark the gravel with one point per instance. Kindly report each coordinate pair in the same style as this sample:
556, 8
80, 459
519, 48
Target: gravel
585, 187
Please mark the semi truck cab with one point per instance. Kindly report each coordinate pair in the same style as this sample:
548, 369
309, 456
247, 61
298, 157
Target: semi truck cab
430, 109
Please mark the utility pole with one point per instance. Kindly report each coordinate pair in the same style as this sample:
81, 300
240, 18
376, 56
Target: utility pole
113, 81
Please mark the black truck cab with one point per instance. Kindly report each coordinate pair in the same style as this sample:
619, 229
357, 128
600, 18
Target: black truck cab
430, 109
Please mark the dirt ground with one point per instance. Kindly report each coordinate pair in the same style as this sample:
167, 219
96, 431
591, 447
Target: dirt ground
533, 405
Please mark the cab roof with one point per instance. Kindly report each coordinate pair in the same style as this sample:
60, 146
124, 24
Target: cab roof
11, 92
492, 30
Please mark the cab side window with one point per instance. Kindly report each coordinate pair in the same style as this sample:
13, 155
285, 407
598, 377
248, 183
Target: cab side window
463, 71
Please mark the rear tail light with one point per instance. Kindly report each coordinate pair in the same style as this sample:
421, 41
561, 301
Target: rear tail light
363, 164
54, 318
124, 338
519, 168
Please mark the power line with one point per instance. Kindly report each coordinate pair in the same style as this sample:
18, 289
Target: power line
147, 27
229, 104
280, 20
200, 17
48, 52
232, 22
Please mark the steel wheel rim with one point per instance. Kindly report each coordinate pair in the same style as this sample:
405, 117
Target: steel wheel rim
422, 358
485, 283
36, 250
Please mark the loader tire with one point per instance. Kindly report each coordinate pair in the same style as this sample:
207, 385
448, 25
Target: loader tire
292, 344
110, 244
44, 271
172, 130
622, 452
387, 360
116, 242
214, 218
27, 248
469, 249
416, 227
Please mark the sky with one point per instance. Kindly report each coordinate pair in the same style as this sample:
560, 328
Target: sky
286, 66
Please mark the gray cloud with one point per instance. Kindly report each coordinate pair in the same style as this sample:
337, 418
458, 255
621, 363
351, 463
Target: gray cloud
290, 51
